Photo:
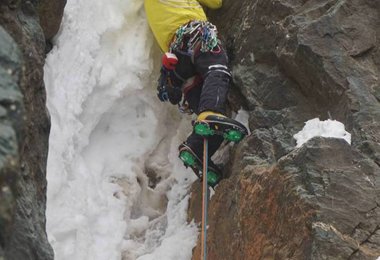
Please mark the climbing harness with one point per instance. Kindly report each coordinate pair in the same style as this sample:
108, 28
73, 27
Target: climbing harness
188, 37
205, 199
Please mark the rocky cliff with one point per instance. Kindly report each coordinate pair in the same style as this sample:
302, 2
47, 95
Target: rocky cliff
25, 26
294, 60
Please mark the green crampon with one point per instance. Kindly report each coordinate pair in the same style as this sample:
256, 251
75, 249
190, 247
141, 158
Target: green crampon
187, 158
203, 130
233, 136
190, 160
212, 178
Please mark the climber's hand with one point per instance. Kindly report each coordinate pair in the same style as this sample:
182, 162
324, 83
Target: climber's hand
162, 94
175, 95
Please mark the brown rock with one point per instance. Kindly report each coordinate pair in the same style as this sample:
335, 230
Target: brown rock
50, 13
293, 61
23, 110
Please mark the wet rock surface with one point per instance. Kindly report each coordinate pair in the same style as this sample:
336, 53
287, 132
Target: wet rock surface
10, 103
293, 61
24, 132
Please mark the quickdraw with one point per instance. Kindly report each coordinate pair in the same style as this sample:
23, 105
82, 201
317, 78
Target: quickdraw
188, 36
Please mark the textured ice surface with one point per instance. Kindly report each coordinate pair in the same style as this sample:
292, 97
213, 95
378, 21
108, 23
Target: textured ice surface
109, 133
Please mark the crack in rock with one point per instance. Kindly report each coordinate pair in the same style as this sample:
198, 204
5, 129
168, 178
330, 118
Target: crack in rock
353, 242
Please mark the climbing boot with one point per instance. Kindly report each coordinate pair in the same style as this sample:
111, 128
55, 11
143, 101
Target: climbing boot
209, 123
190, 159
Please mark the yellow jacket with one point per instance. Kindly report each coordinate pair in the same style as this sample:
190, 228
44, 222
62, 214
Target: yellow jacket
166, 16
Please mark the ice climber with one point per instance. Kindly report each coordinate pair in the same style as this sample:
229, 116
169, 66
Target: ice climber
194, 72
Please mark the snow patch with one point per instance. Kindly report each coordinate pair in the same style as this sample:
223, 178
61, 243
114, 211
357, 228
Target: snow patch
243, 117
328, 128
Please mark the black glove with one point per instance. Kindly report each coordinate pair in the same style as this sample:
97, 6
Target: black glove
163, 95
169, 87
162, 87
175, 95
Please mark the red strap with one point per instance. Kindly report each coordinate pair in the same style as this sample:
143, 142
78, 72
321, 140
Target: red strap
169, 60
191, 83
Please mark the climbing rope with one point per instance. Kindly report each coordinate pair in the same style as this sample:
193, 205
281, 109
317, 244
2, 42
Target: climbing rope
205, 199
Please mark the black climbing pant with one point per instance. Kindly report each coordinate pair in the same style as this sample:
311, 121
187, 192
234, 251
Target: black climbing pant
210, 95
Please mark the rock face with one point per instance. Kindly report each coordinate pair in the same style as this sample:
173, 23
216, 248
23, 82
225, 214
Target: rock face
50, 14
293, 61
24, 131
10, 104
